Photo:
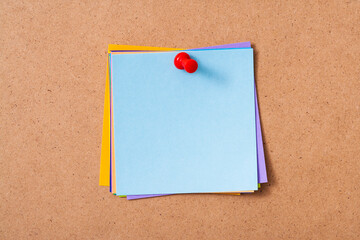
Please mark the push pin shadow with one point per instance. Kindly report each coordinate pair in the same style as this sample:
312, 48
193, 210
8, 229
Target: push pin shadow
183, 61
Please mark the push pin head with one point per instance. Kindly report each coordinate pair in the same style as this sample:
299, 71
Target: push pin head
183, 61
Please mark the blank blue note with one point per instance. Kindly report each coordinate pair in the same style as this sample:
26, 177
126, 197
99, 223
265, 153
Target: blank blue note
176, 132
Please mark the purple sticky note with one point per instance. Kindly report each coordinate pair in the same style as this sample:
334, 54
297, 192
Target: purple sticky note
262, 175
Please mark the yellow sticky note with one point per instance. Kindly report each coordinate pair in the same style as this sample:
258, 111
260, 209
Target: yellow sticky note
105, 149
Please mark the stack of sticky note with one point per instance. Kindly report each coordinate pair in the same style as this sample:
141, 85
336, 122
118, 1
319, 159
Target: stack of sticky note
167, 131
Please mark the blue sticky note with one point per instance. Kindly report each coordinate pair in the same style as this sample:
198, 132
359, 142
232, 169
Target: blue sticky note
176, 132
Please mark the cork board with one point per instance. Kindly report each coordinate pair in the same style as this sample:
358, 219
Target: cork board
53, 62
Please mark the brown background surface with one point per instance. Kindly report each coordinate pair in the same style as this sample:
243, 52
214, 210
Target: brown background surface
53, 61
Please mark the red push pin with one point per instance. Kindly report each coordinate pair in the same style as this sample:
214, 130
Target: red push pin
183, 61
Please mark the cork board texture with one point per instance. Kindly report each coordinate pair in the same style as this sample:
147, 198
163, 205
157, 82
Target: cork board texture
53, 63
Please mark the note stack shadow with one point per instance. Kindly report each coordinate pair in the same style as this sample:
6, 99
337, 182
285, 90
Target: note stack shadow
167, 131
